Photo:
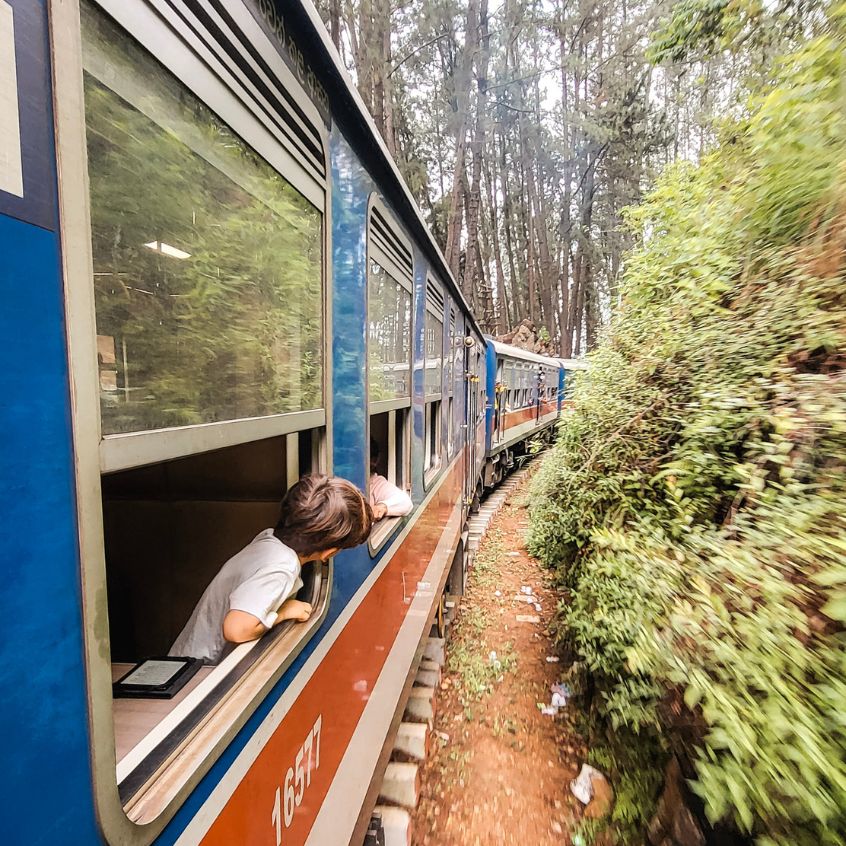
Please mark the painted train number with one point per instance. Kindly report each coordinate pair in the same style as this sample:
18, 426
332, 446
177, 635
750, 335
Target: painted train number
297, 779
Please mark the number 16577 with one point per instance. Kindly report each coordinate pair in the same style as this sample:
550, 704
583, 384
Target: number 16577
297, 779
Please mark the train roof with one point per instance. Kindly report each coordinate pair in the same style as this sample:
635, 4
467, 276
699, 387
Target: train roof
517, 352
574, 363
349, 109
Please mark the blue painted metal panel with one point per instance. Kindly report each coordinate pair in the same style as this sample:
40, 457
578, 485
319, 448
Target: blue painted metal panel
45, 780
490, 372
562, 379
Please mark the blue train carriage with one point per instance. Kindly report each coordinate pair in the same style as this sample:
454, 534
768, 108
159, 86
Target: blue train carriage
523, 405
214, 281
569, 367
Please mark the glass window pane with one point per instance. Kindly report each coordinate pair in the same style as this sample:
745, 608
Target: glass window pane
450, 342
434, 350
389, 336
207, 263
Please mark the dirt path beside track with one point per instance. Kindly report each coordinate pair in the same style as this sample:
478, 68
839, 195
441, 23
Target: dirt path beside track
500, 769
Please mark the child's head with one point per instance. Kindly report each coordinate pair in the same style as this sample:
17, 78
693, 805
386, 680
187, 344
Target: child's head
322, 514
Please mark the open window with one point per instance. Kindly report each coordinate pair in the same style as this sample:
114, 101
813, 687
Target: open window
196, 330
168, 529
390, 432
389, 333
433, 379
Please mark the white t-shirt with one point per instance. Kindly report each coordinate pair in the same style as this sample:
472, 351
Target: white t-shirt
257, 580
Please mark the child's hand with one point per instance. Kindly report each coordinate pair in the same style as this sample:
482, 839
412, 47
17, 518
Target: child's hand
293, 609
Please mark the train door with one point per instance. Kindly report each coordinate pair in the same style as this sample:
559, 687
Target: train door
500, 402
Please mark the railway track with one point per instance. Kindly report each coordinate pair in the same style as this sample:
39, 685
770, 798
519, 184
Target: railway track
391, 824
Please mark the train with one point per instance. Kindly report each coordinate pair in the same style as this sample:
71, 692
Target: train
216, 281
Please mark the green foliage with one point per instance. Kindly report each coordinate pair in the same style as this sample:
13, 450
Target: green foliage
697, 29
705, 24
635, 765
695, 504
476, 672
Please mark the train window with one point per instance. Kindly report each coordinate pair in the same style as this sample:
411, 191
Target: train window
390, 431
206, 322
207, 262
433, 377
451, 440
389, 290
168, 528
389, 336
389, 333
432, 446
434, 339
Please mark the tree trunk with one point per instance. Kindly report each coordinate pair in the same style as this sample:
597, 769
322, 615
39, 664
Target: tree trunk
477, 149
462, 94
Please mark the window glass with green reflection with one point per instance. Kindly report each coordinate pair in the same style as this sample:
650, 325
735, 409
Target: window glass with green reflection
207, 263
389, 336
434, 352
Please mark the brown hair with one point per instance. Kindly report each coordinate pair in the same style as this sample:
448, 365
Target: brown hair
321, 512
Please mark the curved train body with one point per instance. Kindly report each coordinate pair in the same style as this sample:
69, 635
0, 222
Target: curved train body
527, 389
214, 281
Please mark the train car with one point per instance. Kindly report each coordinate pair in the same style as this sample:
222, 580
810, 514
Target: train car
569, 368
525, 392
214, 281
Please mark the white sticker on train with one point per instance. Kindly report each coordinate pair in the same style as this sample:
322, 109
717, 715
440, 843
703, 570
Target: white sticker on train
11, 166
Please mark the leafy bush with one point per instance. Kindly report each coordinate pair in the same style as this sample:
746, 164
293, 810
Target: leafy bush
694, 505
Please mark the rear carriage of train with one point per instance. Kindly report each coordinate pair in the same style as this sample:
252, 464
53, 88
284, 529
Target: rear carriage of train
524, 388
215, 281
569, 368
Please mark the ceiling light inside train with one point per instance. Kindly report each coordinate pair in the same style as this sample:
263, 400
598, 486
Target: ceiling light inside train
167, 250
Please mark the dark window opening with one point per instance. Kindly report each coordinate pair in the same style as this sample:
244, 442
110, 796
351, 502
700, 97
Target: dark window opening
390, 434
432, 457
168, 529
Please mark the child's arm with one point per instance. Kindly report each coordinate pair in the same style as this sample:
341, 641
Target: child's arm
387, 499
241, 626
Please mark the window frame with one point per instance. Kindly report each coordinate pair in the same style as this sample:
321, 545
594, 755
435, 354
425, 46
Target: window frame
403, 278
386, 528
210, 76
432, 431
433, 402
383, 532
125, 450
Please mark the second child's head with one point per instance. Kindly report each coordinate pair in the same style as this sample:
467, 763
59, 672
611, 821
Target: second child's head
321, 515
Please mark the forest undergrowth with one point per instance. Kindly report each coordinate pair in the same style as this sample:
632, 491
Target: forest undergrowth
694, 506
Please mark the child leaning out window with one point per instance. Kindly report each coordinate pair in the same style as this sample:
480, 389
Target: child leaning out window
252, 592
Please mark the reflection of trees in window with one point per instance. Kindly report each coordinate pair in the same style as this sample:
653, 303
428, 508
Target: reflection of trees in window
207, 264
448, 359
389, 336
434, 350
